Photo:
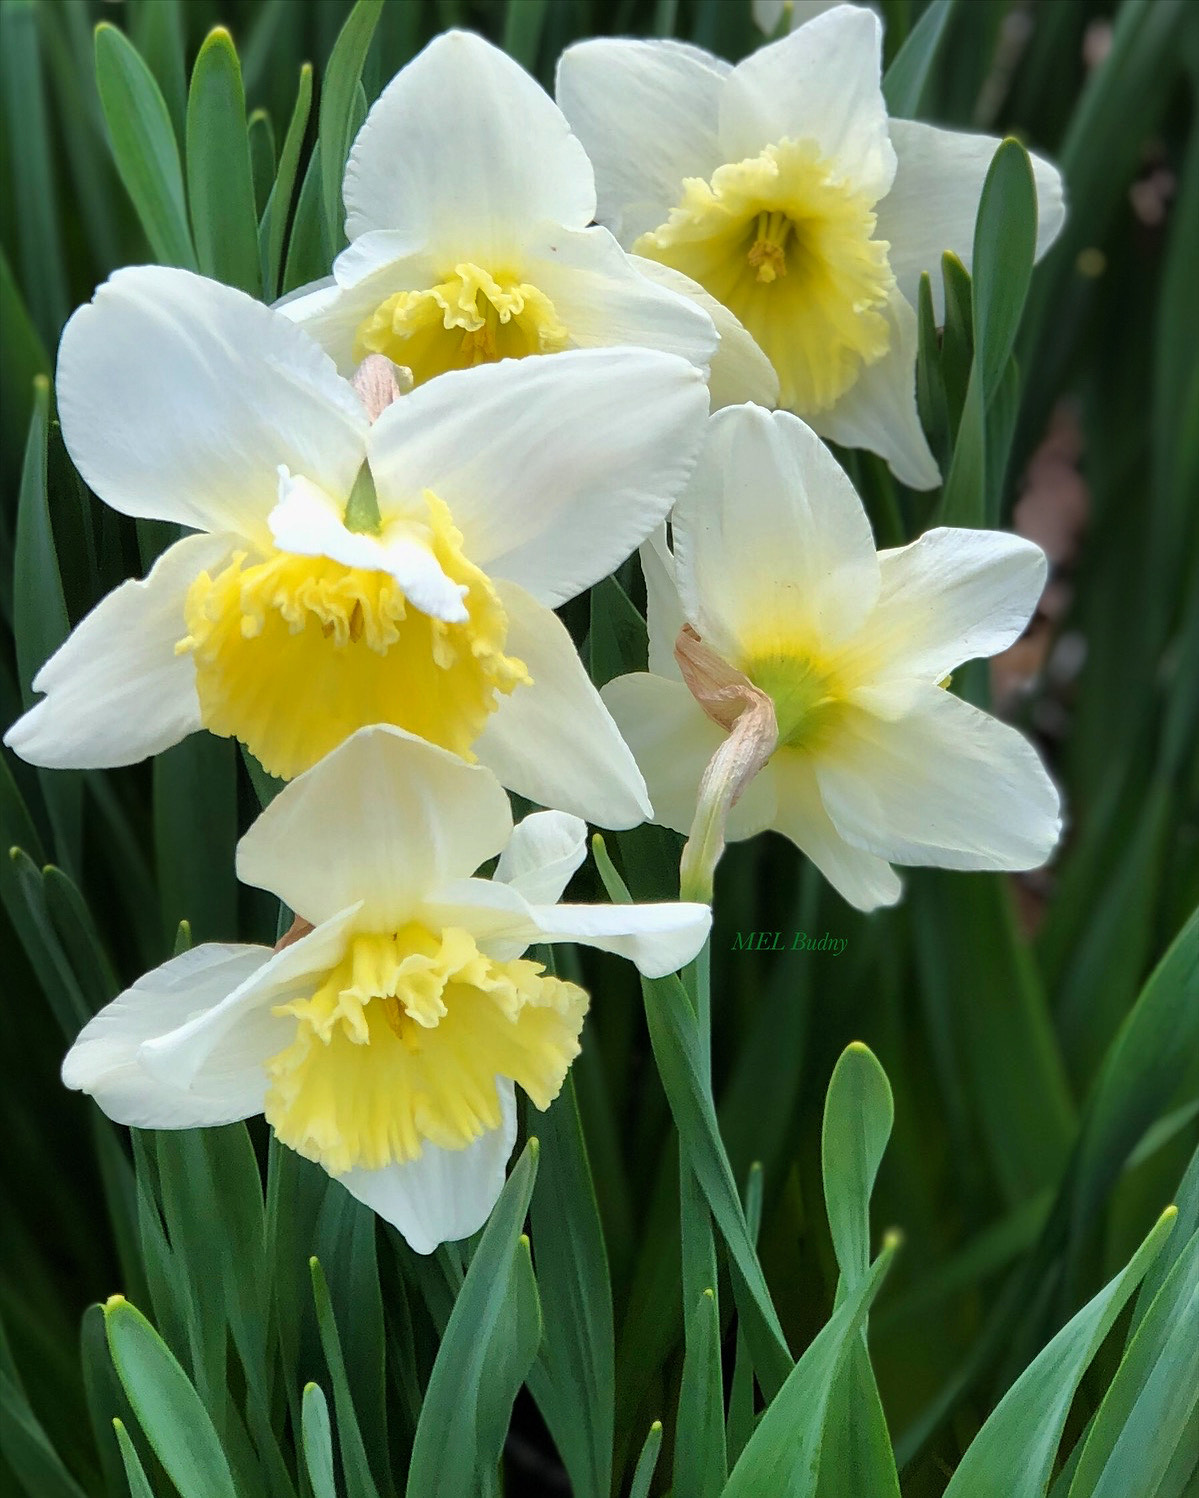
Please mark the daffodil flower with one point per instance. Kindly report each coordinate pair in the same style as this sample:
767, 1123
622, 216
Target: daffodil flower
781, 186
469, 208
344, 573
386, 1043
774, 568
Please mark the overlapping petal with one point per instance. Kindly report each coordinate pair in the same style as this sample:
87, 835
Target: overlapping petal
543, 852
104, 1060
444, 1195
555, 742
878, 411
859, 876
460, 148
663, 129
933, 201
555, 470
181, 397
770, 536
943, 784
950, 597
381, 821
822, 82
116, 691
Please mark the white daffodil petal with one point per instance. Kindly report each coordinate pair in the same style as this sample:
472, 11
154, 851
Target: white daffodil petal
382, 819
496, 914
945, 785
367, 273
770, 536
603, 300
673, 739
554, 470
115, 689
461, 146
543, 852
933, 202
104, 1059
821, 83
554, 742
950, 597
739, 370
244, 1019
664, 615
180, 398
443, 1195
658, 939
878, 411
646, 112
306, 523
861, 878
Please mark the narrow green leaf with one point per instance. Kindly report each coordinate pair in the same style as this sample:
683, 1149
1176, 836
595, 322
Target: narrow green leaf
930, 383
318, 1442
1005, 238
445, 1451
167, 1406
337, 109
783, 1455
39, 241
354, 1462
618, 642
220, 186
40, 621
135, 1473
700, 1461
76, 930
309, 250
643, 1474
27, 1448
261, 136
573, 1380
274, 219
513, 1347
144, 146
675, 1041
195, 830
906, 79
157, 33
1013, 1454
105, 1399
1144, 1065
1152, 1400
858, 1115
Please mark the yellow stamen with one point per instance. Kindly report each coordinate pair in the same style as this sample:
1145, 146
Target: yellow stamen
295, 653
788, 246
472, 317
402, 1042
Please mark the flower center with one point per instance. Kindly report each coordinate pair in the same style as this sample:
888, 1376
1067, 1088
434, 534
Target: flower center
402, 1044
472, 317
807, 696
786, 244
294, 653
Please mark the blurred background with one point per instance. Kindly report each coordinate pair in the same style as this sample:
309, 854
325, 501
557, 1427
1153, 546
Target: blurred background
999, 1007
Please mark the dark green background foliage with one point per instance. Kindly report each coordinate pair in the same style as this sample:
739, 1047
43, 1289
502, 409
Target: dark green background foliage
1041, 1046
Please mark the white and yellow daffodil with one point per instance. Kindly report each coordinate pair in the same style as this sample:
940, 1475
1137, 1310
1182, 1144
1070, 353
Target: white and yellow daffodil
386, 1042
774, 567
469, 208
781, 186
345, 573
